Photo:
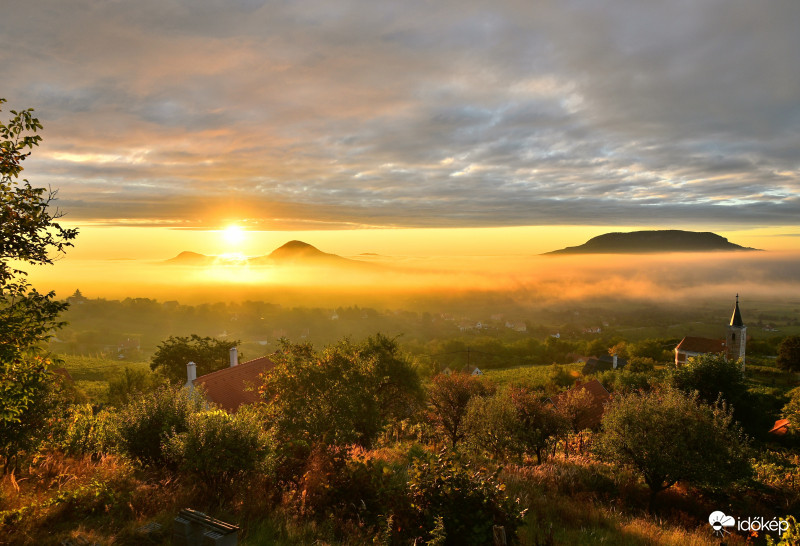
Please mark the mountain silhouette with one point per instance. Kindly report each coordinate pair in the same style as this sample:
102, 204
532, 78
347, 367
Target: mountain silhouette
300, 253
640, 242
190, 258
296, 253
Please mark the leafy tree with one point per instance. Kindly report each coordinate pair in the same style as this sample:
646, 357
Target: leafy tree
345, 395
131, 384
491, 425
537, 423
512, 422
791, 410
448, 398
209, 354
668, 436
29, 233
713, 376
789, 354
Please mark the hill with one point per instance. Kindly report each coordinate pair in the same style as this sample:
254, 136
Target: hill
299, 253
295, 253
639, 242
190, 258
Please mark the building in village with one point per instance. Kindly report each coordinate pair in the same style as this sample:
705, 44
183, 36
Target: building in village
733, 346
231, 387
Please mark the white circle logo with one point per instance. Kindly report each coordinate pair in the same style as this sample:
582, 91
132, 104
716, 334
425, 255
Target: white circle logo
719, 521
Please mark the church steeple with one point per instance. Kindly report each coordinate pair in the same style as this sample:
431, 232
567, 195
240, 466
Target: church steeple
736, 318
736, 338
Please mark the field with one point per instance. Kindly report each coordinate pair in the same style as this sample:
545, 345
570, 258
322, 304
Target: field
92, 374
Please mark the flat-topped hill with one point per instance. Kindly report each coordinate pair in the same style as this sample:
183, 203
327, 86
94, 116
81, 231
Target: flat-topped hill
666, 240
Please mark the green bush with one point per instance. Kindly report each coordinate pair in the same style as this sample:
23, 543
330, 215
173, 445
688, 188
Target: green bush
148, 421
469, 502
87, 433
130, 385
218, 447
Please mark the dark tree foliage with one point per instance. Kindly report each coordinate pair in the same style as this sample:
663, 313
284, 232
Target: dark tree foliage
209, 354
29, 234
344, 395
668, 436
789, 354
448, 398
711, 375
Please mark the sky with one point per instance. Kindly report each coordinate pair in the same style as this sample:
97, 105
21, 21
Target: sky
304, 117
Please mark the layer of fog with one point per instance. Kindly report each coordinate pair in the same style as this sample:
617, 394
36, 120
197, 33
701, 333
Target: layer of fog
529, 280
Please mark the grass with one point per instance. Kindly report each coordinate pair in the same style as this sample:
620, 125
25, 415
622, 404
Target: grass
92, 374
531, 376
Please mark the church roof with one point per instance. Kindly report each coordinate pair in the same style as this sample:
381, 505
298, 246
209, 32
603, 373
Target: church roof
736, 318
701, 345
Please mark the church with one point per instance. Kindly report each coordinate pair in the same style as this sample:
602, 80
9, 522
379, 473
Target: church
733, 346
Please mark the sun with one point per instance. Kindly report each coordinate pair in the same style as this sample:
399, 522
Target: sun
234, 235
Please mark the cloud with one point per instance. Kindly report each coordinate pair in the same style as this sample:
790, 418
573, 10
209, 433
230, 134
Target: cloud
412, 114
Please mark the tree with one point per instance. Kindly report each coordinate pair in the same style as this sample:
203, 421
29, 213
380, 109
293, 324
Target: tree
714, 376
538, 423
789, 354
447, 403
668, 436
209, 354
344, 395
29, 233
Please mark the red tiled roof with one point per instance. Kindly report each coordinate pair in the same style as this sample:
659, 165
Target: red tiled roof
701, 345
600, 395
64, 374
780, 428
229, 388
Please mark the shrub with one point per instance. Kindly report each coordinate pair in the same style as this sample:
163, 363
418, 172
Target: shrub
218, 447
469, 501
146, 422
87, 433
130, 385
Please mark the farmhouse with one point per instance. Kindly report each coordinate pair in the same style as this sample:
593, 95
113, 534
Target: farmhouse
733, 346
231, 387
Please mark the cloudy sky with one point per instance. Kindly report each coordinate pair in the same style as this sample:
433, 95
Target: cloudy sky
353, 113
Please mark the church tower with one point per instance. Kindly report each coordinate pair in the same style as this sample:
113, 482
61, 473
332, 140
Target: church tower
736, 337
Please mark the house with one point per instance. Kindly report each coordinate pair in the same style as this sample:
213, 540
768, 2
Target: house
599, 394
602, 364
471, 370
733, 346
780, 428
231, 387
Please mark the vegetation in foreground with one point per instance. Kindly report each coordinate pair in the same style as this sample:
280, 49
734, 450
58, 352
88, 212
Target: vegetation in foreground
349, 446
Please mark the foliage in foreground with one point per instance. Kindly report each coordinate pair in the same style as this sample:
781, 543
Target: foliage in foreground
667, 436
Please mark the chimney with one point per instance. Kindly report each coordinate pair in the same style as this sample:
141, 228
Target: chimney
234, 357
614, 358
191, 374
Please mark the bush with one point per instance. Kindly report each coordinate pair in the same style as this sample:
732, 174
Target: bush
468, 501
87, 433
146, 422
218, 447
132, 384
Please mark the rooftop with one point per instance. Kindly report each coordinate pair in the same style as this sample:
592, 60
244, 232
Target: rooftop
229, 388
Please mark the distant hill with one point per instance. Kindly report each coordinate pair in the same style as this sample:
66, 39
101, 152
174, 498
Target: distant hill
190, 258
298, 253
292, 253
640, 242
